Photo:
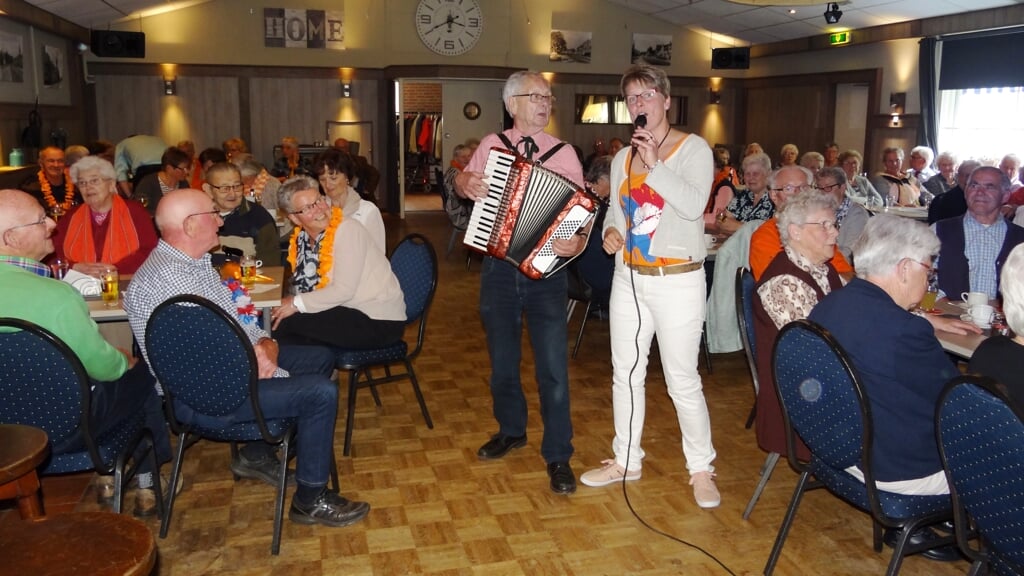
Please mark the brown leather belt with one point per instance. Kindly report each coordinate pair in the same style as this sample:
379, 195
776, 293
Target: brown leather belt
666, 270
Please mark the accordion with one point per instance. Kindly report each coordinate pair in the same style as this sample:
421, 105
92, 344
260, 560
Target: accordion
526, 208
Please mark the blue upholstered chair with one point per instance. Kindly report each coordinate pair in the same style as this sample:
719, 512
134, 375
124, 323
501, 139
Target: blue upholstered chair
43, 384
980, 432
204, 360
745, 317
824, 402
414, 262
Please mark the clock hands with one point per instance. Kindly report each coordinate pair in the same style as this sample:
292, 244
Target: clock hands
449, 21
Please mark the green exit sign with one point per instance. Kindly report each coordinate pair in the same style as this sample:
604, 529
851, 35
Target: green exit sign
839, 38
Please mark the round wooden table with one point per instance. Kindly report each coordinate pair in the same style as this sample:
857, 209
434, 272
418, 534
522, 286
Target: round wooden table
22, 450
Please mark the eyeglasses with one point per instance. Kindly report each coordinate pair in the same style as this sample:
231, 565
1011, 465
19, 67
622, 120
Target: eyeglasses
827, 187
537, 98
791, 188
213, 212
646, 95
310, 207
826, 225
36, 223
91, 183
933, 274
986, 187
228, 187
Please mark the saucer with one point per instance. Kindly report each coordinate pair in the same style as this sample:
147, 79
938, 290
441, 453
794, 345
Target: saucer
967, 318
959, 304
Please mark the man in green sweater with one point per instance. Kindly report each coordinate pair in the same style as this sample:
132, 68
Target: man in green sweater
121, 385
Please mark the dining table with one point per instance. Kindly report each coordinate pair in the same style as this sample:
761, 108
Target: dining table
962, 345
919, 213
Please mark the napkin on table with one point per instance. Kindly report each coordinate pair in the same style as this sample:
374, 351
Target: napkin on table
85, 284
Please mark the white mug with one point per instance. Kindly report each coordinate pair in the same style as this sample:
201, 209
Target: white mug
981, 315
974, 298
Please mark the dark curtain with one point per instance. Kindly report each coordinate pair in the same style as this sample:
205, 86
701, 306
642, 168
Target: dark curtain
926, 132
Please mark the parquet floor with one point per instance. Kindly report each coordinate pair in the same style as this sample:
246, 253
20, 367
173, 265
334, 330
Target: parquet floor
439, 510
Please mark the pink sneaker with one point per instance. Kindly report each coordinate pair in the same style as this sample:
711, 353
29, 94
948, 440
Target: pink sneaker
704, 490
610, 473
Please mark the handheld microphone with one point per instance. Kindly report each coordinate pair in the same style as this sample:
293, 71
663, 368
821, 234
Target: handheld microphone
640, 122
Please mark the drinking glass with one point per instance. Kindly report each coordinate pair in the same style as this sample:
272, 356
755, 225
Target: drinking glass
108, 287
249, 265
59, 268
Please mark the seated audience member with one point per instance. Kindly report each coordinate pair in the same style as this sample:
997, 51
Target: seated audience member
921, 169
797, 278
335, 170
457, 208
975, 245
107, 229
945, 179
614, 145
850, 216
752, 203
813, 161
831, 155
724, 188
233, 147
859, 188
247, 226
953, 203
723, 166
260, 186
195, 168
342, 279
102, 148
207, 158
594, 264
294, 380
788, 155
52, 185
598, 151
365, 178
173, 174
1001, 357
896, 188
1010, 165
74, 153
895, 353
754, 148
290, 164
121, 384
765, 242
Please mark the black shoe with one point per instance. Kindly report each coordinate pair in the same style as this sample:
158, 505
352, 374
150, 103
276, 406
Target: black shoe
922, 536
499, 445
329, 509
268, 469
563, 481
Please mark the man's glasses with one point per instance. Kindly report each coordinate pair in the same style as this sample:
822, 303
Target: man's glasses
986, 187
827, 187
310, 207
826, 225
228, 187
537, 98
42, 220
646, 95
214, 212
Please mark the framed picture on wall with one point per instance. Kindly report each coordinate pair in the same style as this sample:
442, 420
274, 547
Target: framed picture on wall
17, 76
51, 56
654, 49
570, 46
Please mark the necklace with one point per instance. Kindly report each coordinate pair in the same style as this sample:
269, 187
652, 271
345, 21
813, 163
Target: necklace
326, 257
69, 191
657, 152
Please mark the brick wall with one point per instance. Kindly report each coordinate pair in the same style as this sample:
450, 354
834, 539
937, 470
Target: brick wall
421, 97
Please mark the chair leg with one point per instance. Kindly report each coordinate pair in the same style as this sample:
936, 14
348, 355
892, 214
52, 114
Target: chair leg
282, 481
165, 522
583, 324
569, 308
419, 394
877, 533
753, 414
161, 507
353, 375
787, 522
373, 387
766, 474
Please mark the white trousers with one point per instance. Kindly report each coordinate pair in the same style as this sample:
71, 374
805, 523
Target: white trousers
672, 308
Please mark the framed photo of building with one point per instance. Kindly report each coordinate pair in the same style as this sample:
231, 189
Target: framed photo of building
51, 66
17, 76
654, 49
571, 46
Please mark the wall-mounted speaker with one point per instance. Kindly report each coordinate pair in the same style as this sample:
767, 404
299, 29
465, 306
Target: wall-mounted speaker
117, 44
730, 58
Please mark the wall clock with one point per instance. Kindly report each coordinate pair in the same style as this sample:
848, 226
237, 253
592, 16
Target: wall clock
471, 110
449, 27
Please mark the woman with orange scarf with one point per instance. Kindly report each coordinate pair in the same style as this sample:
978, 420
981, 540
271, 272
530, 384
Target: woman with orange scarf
106, 229
345, 293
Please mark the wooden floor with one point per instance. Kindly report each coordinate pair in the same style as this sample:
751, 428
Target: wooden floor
437, 509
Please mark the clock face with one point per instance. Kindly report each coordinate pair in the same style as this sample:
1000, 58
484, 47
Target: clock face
449, 27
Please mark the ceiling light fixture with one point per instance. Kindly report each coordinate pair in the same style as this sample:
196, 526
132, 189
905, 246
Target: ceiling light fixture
833, 13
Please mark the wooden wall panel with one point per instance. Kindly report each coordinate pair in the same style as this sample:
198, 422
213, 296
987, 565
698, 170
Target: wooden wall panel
801, 115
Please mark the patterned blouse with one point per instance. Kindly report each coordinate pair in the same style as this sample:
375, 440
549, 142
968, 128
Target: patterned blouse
786, 298
743, 208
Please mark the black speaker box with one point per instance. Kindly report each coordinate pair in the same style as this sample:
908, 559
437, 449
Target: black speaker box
730, 58
116, 44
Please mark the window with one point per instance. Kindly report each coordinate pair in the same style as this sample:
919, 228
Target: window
981, 122
611, 109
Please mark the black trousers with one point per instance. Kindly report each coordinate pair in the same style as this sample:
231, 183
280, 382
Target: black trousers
339, 326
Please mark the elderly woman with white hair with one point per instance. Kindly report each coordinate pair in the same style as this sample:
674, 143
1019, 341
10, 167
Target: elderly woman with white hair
1002, 357
795, 281
752, 203
107, 229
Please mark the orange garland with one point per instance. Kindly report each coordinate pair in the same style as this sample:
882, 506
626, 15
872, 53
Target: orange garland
69, 190
326, 257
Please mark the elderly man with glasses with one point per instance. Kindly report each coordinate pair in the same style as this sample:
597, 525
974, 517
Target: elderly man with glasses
247, 226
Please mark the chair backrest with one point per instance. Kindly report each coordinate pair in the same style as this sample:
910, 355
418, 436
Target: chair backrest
414, 263
745, 318
980, 433
42, 381
201, 356
822, 400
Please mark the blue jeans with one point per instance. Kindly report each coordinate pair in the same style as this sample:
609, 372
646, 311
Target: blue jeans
308, 395
506, 295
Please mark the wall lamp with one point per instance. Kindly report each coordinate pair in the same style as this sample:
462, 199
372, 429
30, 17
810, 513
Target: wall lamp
897, 103
716, 96
833, 13
170, 86
346, 90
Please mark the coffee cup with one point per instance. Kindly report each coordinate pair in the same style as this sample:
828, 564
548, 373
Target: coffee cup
974, 298
709, 240
981, 315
